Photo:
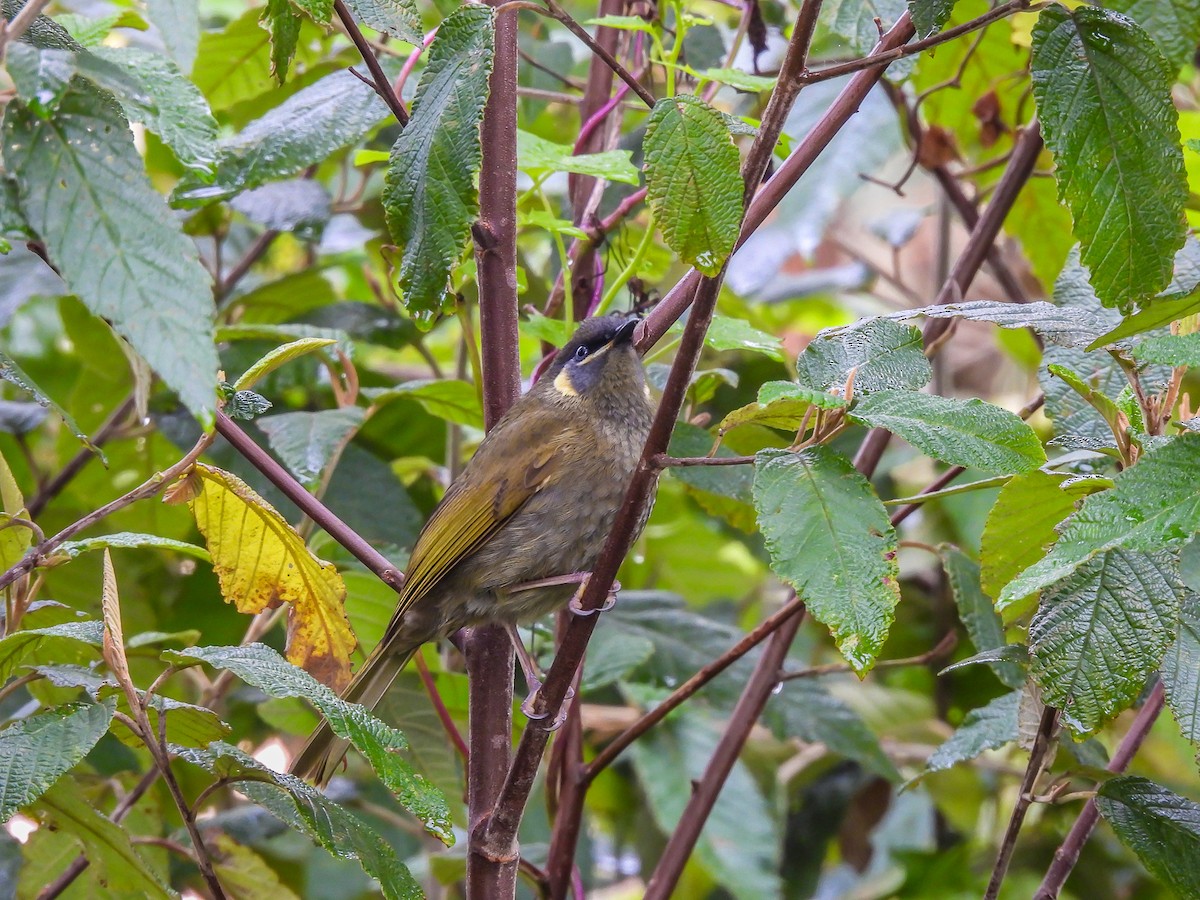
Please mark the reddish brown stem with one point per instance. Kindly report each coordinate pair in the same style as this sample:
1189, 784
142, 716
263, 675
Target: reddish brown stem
383, 87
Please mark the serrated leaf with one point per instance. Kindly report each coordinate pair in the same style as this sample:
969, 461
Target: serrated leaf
781, 405
1170, 349
37, 751
447, 398
429, 196
1177, 300
985, 728
321, 11
261, 561
693, 180
131, 540
1161, 827
246, 405
303, 130
829, 537
262, 667
278, 357
1151, 506
1181, 670
1067, 326
14, 374
968, 433
739, 847
105, 844
1103, 93
306, 441
1173, 24
538, 156
399, 18
929, 16
308, 810
883, 355
152, 90
811, 713
40, 77
282, 22
85, 192
984, 627
187, 725
1100, 632
1020, 529
62, 643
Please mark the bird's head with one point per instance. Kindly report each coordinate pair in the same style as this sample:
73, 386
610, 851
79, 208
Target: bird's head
599, 362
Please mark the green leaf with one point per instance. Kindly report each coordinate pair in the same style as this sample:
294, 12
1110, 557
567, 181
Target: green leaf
976, 612
1170, 349
1177, 300
538, 156
1100, 632
968, 433
303, 130
829, 537
1161, 827
59, 642
449, 399
1152, 505
36, 752
282, 22
1181, 670
178, 23
985, 728
106, 844
85, 192
187, 725
246, 405
307, 810
262, 667
811, 713
730, 333
720, 490
301, 205
1020, 529
1103, 94
152, 90
882, 354
1173, 24
131, 540
321, 11
234, 65
399, 18
306, 441
739, 80
693, 180
739, 846
429, 193
855, 20
780, 405
929, 16
613, 656
14, 374
278, 357
1067, 326
40, 77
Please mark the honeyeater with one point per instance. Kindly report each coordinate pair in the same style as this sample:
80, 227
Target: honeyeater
534, 505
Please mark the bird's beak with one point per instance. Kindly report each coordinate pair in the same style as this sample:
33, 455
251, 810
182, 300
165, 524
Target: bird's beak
625, 333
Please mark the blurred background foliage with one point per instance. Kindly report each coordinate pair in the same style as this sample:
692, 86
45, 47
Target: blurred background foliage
829, 798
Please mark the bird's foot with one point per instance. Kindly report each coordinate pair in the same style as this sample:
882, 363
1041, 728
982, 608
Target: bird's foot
529, 708
609, 602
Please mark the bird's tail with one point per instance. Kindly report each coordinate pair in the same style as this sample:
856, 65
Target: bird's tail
324, 751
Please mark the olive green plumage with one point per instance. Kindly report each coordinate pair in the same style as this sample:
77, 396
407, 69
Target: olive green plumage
535, 502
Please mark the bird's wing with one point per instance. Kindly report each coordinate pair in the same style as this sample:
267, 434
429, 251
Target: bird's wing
472, 511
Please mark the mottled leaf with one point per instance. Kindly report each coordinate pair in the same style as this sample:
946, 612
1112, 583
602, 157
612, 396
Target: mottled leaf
306, 441
882, 354
1161, 827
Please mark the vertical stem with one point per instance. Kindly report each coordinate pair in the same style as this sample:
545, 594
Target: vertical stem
745, 714
489, 654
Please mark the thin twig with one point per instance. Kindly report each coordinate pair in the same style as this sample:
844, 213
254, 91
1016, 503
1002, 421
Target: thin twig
615, 747
12, 31
382, 86
74, 466
663, 461
943, 648
559, 14
260, 246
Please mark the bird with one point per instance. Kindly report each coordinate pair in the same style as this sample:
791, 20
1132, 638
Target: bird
516, 532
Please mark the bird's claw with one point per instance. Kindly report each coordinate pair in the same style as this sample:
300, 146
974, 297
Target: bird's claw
529, 708
609, 602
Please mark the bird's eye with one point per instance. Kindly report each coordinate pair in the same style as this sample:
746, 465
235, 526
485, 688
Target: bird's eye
581, 353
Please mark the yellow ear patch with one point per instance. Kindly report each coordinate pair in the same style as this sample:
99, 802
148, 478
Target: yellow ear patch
562, 383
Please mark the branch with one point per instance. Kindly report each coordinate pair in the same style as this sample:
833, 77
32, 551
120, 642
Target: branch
20, 23
488, 650
308, 504
382, 86
151, 486
942, 648
749, 707
1067, 854
1038, 757
74, 466
561, 15
605, 758
665, 462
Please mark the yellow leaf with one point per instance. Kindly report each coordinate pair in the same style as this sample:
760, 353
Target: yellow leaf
15, 540
261, 562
